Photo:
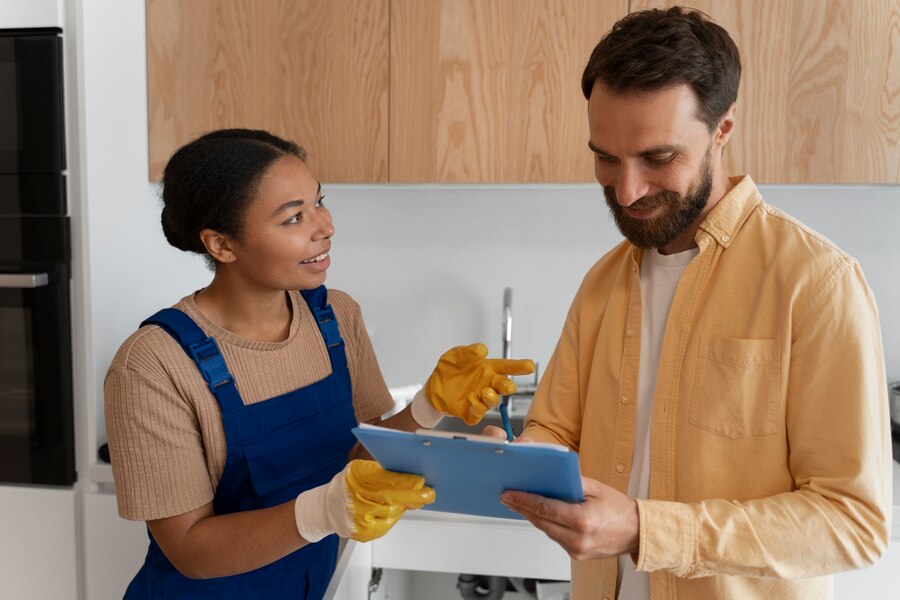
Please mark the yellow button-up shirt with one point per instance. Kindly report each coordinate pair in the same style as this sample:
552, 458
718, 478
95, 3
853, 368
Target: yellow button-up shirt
770, 440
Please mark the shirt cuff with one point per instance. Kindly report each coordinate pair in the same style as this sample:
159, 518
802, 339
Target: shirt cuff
668, 537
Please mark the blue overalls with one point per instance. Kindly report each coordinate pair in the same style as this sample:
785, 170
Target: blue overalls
276, 449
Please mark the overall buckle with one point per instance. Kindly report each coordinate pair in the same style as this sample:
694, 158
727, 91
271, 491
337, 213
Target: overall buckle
211, 364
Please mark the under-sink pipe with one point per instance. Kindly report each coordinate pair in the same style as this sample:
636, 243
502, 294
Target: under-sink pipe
481, 587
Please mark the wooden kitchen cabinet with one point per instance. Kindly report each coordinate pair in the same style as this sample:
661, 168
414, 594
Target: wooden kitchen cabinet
478, 91
491, 91
820, 91
312, 71
488, 91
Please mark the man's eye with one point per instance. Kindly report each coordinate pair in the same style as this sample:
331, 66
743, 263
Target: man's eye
604, 158
661, 159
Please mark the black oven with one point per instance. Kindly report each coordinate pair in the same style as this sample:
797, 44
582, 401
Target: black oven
36, 396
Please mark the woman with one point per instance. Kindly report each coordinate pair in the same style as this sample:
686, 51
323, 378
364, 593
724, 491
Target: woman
229, 415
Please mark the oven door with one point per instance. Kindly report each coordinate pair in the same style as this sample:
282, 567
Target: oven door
36, 421
31, 102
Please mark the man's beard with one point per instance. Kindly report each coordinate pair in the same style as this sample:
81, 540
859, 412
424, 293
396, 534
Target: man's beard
660, 231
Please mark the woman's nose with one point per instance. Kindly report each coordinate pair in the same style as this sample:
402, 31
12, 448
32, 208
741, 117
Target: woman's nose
324, 224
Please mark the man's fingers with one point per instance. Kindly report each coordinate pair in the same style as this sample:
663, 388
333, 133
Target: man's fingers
545, 509
560, 534
494, 431
554, 517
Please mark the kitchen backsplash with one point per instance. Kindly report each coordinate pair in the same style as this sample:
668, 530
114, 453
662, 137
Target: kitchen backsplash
428, 264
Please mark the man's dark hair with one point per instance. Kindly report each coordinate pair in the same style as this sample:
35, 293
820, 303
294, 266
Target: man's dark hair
210, 182
654, 49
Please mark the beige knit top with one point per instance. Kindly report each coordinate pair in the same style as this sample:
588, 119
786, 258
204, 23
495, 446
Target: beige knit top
166, 439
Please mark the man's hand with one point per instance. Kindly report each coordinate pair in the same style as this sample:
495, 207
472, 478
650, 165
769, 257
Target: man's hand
500, 434
605, 524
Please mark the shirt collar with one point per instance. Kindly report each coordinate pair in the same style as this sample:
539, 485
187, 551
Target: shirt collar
728, 216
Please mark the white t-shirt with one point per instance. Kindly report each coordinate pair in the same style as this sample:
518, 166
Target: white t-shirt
660, 274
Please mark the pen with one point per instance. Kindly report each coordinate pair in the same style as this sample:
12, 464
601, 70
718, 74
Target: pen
504, 415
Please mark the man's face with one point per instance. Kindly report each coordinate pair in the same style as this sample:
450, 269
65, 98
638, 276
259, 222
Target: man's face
677, 212
653, 157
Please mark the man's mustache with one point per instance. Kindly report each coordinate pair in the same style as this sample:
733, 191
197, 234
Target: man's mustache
647, 202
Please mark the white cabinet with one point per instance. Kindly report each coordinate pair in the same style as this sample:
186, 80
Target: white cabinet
113, 548
20, 14
441, 542
38, 551
881, 581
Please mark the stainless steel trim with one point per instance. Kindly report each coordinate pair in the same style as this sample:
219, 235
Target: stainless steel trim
507, 323
23, 280
894, 402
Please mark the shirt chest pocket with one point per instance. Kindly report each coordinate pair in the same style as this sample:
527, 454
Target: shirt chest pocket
736, 387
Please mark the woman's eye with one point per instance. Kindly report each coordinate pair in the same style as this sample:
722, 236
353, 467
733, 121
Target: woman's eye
294, 219
320, 201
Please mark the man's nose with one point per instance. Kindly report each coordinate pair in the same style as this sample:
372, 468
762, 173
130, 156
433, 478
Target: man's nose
630, 186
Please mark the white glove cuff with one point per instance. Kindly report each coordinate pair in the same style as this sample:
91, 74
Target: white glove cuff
423, 412
324, 510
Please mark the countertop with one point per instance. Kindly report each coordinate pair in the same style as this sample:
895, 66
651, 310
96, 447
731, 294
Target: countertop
102, 473
495, 542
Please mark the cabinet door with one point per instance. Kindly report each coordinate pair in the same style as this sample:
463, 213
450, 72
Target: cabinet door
314, 72
820, 90
38, 549
490, 91
114, 549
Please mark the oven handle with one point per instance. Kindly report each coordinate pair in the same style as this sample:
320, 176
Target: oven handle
24, 280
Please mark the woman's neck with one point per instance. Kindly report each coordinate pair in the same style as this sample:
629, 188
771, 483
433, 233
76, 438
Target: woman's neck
261, 316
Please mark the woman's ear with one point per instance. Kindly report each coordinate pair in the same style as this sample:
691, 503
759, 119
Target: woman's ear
218, 245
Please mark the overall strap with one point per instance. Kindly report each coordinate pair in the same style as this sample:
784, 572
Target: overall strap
317, 300
205, 353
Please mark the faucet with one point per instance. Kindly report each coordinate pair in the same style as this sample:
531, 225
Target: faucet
526, 389
507, 323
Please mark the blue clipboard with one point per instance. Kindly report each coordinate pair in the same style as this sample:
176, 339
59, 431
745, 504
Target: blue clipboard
468, 473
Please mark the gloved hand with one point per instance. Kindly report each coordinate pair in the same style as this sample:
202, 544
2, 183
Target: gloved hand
362, 502
465, 384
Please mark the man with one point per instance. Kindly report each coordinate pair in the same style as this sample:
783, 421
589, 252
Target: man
720, 372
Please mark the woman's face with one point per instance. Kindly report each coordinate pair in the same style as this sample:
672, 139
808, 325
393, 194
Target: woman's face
287, 231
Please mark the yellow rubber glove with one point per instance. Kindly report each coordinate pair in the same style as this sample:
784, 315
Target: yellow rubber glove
465, 384
362, 502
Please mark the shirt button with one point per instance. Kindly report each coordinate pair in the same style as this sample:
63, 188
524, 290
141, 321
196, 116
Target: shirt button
725, 238
629, 333
620, 468
624, 399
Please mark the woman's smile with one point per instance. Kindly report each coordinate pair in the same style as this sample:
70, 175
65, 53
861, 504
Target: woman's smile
318, 263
